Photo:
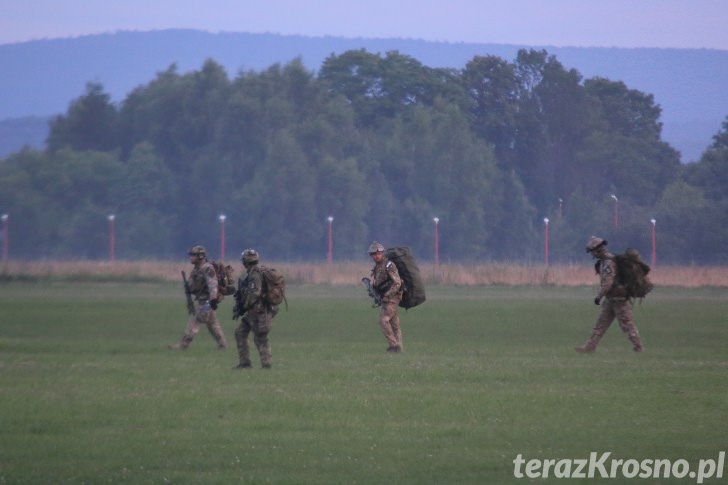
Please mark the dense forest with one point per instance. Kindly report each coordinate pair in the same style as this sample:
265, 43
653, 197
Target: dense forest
381, 143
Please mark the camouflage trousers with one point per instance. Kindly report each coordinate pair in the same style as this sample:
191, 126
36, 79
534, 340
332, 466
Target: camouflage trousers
389, 321
259, 323
612, 308
204, 315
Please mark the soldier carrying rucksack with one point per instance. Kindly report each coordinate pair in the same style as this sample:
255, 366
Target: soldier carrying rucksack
387, 285
204, 291
257, 297
616, 292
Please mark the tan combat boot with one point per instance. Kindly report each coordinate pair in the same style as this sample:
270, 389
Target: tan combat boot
587, 348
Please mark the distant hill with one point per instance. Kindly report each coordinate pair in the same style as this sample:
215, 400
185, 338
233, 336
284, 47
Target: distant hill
16, 133
40, 78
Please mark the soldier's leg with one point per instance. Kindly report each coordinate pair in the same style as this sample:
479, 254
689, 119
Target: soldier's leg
606, 317
397, 329
623, 310
385, 317
261, 329
241, 340
263, 344
213, 325
191, 329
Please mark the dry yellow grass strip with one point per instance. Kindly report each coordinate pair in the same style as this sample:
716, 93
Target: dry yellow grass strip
349, 273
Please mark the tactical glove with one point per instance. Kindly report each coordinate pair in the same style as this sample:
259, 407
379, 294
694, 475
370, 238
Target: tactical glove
597, 300
213, 304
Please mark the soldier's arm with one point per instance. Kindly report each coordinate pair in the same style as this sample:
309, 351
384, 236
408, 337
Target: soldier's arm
211, 279
253, 289
394, 277
607, 274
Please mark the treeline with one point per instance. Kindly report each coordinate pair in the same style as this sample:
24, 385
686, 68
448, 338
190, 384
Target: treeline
381, 143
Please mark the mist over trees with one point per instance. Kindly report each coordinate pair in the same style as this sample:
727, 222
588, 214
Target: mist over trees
383, 144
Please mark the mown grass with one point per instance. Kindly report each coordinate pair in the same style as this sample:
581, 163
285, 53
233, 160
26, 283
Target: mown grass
347, 273
90, 394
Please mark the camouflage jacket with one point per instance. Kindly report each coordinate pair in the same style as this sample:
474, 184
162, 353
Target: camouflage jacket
203, 282
607, 270
386, 281
250, 290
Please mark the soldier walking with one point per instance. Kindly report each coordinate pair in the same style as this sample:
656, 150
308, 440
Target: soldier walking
203, 287
388, 286
615, 303
257, 314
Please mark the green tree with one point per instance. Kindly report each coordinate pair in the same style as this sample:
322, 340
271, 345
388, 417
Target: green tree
493, 89
514, 238
178, 114
357, 77
84, 190
381, 87
151, 113
711, 171
689, 227
20, 197
625, 154
433, 165
343, 194
554, 116
380, 142
625, 111
90, 124
59, 202
581, 217
277, 206
146, 206
709, 177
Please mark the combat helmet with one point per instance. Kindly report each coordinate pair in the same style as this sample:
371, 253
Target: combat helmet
197, 251
249, 256
595, 243
375, 247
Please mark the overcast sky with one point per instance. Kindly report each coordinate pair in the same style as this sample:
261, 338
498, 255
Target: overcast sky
584, 23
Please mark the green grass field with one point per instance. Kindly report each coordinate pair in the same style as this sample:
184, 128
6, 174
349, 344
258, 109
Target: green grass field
90, 394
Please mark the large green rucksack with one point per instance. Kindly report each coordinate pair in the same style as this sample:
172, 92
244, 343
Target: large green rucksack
632, 274
414, 288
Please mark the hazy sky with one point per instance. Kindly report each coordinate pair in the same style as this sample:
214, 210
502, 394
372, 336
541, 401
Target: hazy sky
586, 23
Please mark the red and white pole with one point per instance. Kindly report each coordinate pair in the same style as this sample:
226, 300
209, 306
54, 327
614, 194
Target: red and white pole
546, 241
654, 253
222, 218
112, 237
6, 234
437, 241
330, 249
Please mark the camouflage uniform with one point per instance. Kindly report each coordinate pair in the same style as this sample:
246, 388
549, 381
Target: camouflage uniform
615, 304
203, 286
257, 316
387, 283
